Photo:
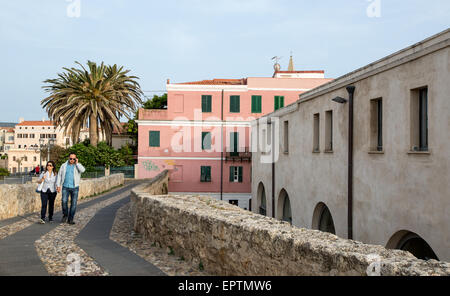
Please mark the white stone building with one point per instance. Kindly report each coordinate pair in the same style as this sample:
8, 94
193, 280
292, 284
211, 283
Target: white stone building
393, 189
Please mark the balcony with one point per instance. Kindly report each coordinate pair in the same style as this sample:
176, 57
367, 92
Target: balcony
243, 154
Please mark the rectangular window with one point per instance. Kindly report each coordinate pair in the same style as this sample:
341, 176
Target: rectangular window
154, 137
329, 131
32, 136
236, 174
235, 106
279, 102
256, 104
234, 144
376, 125
205, 174
286, 136
206, 104
419, 119
206, 140
316, 139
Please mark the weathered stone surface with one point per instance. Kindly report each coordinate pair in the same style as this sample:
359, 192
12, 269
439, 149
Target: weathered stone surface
18, 200
230, 241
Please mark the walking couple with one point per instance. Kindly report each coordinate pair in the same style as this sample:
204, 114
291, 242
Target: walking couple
67, 181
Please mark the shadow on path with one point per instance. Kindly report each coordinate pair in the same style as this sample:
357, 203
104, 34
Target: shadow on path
18, 256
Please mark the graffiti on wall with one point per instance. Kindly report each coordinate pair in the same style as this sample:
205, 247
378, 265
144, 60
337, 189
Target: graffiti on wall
150, 166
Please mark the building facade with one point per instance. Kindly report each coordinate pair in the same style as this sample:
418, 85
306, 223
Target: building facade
203, 138
385, 179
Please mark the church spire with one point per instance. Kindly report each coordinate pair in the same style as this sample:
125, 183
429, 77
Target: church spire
291, 64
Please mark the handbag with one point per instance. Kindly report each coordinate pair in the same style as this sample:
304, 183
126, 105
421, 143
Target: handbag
39, 188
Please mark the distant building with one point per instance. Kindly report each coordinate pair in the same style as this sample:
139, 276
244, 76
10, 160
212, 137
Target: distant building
203, 137
392, 187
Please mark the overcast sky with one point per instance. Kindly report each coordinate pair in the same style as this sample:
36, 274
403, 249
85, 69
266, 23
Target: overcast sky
188, 40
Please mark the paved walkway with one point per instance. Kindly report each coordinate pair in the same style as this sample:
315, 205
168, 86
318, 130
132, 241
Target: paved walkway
18, 256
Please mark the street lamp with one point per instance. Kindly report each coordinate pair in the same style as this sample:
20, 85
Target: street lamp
51, 143
41, 144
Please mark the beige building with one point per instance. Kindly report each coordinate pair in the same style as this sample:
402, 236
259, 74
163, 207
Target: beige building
393, 189
27, 138
6, 139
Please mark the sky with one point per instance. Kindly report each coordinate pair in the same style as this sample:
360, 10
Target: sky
189, 40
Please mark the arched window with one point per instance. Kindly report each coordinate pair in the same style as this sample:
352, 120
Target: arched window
322, 219
284, 210
413, 243
262, 202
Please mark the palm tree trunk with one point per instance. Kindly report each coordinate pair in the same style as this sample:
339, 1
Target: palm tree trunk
93, 130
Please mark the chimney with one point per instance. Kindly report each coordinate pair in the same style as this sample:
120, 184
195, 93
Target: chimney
168, 80
43, 119
21, 119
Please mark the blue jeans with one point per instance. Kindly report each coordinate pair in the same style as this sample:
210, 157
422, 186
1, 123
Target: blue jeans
73, 192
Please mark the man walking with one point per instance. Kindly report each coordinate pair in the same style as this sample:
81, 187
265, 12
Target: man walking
69, 179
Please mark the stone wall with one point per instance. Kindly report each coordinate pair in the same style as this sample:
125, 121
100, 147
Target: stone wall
18, 200
227, 240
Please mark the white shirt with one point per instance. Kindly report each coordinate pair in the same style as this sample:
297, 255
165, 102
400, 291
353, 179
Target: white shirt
49, 182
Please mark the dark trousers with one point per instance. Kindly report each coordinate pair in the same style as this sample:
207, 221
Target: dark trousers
73, 192
47, 198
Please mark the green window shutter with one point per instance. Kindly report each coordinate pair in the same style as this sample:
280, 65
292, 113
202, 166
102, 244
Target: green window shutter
206, 103
260, 104
205, 174
235, 104
206, 140
154, 139
240, 174
277, 102
208, 174
231, 173
234, 144
256, 104
281, 102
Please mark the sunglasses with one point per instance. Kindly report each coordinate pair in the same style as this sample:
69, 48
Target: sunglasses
72, 159
49, 165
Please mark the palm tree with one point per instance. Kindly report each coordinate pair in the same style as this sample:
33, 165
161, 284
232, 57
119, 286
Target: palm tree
99, 95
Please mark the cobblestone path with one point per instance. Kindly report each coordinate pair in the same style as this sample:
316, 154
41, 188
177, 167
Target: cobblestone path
98, 244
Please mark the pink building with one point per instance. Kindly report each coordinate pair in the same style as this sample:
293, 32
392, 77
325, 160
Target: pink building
203, 138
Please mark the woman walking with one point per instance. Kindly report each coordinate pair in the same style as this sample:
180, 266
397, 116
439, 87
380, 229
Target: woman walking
48, 192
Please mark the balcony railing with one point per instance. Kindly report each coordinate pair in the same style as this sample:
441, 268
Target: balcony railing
243, 154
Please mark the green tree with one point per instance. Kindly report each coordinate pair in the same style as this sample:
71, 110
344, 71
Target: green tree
4, 172
127, 154
98, 95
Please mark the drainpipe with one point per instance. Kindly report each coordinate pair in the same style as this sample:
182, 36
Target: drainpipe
221, 149
272, 136
350, 90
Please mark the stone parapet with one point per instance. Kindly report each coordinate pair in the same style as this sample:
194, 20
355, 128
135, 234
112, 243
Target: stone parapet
230, 241
22, 199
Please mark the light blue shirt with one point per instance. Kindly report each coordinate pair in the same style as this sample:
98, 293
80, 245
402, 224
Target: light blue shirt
69, 178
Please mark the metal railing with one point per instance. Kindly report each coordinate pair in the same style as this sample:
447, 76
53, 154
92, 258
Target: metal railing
128, 171
97, 172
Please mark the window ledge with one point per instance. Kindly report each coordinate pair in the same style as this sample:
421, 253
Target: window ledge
286, 152
376, 152
419, 152
329, 151
316, 151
